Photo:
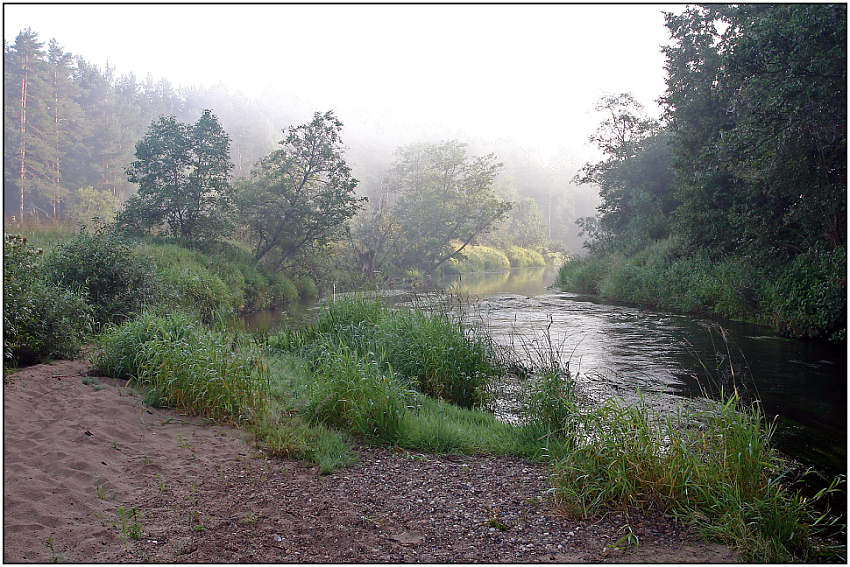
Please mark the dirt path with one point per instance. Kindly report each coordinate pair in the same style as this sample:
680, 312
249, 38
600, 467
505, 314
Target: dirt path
78, 458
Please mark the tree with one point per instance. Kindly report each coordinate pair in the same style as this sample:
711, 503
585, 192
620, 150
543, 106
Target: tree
756, 102
444, 201
635, 179
182, 171
26, 122
299, 197
65, 113
87, 203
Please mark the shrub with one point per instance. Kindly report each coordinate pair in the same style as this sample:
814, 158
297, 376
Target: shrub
282, 290
583, 275
116, 282
809, 298
524, 257
306, 287
40, 319
193, 287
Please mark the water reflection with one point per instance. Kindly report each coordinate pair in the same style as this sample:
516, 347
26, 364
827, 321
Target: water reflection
617, 350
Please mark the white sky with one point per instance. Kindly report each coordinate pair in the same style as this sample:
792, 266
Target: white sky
527, 73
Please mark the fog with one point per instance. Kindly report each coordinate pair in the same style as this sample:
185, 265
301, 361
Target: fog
520, 81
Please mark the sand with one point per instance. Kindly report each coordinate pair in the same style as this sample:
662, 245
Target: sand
91, 474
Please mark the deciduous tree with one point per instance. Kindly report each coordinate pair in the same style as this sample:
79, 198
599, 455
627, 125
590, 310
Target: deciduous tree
299, 197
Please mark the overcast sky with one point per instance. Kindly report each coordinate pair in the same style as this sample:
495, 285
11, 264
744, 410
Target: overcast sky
527, 73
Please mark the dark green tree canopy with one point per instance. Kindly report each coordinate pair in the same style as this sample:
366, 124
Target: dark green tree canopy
634, 179
757, 104
300, 196
183, 176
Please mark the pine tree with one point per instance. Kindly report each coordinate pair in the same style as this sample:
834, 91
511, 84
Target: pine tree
65, 114
28, 111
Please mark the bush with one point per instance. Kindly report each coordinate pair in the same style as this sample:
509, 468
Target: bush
40, 319
480, 259
182, 364
583, 275
809, 298
306, 287
282, 290
524, 257
101, 266
193, 287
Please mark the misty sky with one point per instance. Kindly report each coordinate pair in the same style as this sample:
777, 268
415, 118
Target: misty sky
527, 73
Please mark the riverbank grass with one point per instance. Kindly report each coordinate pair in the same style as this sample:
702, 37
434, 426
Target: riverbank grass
310, 394
715, 469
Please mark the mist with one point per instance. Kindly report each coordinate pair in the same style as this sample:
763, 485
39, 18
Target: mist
520, 82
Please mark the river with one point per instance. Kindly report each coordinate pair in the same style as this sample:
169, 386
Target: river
619, 350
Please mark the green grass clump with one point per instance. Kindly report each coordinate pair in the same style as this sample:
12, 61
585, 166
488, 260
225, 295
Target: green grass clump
438, 356
291, 437
182, 364
721, 476
354, 393
524, 257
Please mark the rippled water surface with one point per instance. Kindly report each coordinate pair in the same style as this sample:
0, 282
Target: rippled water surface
617, 350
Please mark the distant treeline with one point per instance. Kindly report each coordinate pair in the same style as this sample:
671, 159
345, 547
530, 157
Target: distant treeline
70, 129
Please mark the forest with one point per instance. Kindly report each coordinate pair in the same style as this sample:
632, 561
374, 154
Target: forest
73, 130
734, 203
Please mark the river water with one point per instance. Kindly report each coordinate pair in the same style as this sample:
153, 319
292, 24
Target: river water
623, 351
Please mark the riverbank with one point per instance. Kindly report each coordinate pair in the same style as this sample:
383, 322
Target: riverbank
805, 298
80, 457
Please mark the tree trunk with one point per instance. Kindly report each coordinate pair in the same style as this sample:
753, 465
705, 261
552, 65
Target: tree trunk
23, 125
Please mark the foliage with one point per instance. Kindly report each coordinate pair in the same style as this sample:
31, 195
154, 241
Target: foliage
755, 111
524, 257
442, 195
583, 275
715, 468
299, 196
182, 171
101, 265
809, 298
357, 394
477, 259
433, 353
40, 319
634, 179
216, 277
87, 203
182, 364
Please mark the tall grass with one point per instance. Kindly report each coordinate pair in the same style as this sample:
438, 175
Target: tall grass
180, 363
716, 469
438, 356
